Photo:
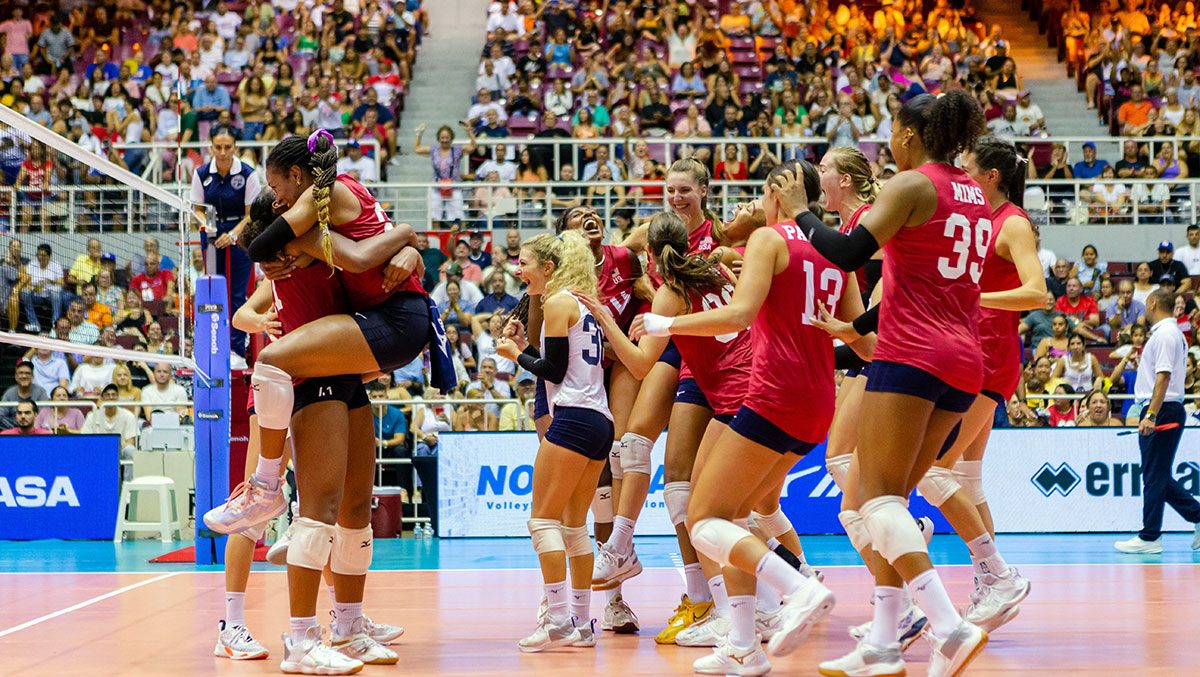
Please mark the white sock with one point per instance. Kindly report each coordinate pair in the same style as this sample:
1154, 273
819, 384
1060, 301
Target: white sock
772, 543
767, 598
266, 472
716, 585
235, 609
300, 627
985, 558
929, 594
622, 534
778, 574
697, 585
556, 598
885, 625
581, 606
612, 592
741, 612
344, 614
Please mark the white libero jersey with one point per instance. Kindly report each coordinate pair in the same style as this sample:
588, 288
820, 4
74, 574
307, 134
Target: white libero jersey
583, 386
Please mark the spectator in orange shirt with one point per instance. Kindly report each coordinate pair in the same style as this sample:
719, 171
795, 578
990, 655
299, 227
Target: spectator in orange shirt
1136, 111
98, 313
1082, 307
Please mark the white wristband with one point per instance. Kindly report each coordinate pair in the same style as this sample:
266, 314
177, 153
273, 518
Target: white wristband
657, 325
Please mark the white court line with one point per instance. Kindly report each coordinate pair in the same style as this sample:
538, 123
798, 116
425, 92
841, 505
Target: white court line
85, 603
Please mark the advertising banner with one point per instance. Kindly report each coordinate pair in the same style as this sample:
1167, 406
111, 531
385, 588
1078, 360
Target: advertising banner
59, 486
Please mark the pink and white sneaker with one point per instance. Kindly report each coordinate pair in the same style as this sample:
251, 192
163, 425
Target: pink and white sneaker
250, 505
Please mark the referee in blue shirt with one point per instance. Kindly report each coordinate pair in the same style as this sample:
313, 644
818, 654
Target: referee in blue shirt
1160, 377
221, 190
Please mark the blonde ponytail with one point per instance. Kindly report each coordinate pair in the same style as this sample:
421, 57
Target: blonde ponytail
574, 263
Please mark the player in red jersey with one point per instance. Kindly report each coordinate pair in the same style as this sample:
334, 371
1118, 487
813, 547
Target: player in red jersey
786, 412
934, 223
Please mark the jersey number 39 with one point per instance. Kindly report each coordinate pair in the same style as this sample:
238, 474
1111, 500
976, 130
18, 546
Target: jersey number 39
958, 229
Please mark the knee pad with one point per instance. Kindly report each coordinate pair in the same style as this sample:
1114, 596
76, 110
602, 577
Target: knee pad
893, 532
676, 495
311, 544
938, 485
839, 467
547, 535
253, 534
970, 475
774, 525
352, 551
635, 453
602, 508
715, 537
614, 460
856, 529
273, 396
577, 541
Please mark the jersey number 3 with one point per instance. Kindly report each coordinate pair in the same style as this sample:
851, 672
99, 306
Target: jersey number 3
592, 353
958, 229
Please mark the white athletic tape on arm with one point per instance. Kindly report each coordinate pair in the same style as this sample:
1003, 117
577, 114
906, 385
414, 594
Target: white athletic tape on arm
774, 525
577, 541
856, 529
893, 532
311, 543
676, 495
614, 460
657, 325
273, 396
602, 508
547, 535
352, 551
970, 475
838, 467
635, 453
938, 485
715, 538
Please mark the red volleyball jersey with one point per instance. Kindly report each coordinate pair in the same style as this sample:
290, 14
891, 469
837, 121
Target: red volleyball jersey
998, 339
929, 317
616, 282
861, 274
721, 365
309, 294
792, 382
365, 289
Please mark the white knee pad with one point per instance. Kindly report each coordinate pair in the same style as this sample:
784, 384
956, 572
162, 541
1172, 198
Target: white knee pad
856, 529
352, 551
547, 535
273, 396
774, 525
893, 532
715, 537
838, 467
602, 508
676, 495
938, 485
254, 533
311, 544
614, 460
577, 541
635, 453
970, 475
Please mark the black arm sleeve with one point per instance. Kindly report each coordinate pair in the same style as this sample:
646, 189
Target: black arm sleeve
552, 367
867, 322
874, 271
848, 252
271, 241
844, 357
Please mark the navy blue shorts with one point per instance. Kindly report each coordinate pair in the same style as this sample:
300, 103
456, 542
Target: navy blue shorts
854, 371
541, 404
671, 356
723, 418
865, 371
348, 389
397, 329
893, 377
993, 395
688, 392
585, 431
758, 429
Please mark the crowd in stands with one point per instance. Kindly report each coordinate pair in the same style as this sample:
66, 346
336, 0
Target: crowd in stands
1087, 339
103, 72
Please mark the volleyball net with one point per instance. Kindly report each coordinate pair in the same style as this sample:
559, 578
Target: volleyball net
101, 271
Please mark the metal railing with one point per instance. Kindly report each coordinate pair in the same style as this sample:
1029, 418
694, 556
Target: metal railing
162, 157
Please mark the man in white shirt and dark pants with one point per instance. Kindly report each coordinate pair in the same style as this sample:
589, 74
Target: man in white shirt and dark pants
1160, 377
1189, 256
